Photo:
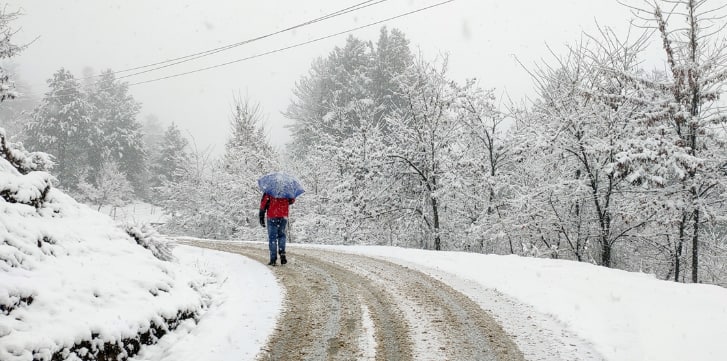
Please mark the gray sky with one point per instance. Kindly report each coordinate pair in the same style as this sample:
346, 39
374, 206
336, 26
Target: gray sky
481, 36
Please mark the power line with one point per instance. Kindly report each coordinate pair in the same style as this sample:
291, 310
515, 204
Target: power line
294, 45
183, 59
280, 49
190, 57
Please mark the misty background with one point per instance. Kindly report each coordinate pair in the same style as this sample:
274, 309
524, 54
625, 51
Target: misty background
87, 37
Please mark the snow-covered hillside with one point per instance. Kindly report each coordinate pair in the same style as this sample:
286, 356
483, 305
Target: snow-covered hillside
73, 283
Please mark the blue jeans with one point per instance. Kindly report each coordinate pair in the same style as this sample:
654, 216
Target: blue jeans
276, 236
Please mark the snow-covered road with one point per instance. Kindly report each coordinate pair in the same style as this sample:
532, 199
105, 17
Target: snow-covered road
343, 307
368, 303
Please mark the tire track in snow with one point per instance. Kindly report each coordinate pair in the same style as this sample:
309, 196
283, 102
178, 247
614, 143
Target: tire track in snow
324, 317
333, 298
452, 326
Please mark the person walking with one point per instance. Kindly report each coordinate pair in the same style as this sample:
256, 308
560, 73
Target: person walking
277, 215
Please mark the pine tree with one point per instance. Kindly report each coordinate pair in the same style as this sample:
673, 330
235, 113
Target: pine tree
392, 59
14, 115
172, 158
248, 155
62, 126
326, 99
7, 50
218, 198
115, 112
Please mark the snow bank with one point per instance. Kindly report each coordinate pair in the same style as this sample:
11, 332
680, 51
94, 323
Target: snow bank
245, 303
625, 315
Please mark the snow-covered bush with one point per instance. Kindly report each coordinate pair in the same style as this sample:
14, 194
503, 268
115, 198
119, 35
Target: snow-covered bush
147, 237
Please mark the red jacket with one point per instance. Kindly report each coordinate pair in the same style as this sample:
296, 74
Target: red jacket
276, 207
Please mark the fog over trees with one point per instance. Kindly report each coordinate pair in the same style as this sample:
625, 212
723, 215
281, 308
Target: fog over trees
612, 162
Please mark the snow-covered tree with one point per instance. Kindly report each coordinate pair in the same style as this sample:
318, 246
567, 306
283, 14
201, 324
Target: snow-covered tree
171, 158
121, 140
153, 133
338, 114
682, 144
423, 148
8, 49
248, 156
357, 71
185, 195
582, 121
111, 188
218, 198
14, 114
320, 110
62, 126
482, 180
392, 57
349, 190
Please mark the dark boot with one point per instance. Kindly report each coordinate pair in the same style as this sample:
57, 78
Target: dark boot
283, 260
272, 263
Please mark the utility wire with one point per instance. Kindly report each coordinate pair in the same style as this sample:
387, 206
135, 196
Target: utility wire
294, 45
190, 57
356, 7
183, 59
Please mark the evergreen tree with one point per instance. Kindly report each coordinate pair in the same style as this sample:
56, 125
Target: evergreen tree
392, 59
62, 126
115, 112
190, 198
326, 99
218, 198
172, 158
7, 50
153, 133
248, 156
13, 115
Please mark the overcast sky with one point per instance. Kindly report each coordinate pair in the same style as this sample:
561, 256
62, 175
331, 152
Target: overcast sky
481, 36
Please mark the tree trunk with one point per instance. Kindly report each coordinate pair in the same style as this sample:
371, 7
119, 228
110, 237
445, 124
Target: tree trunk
435, 223
606, 231
606, 253
680, 244
695, 248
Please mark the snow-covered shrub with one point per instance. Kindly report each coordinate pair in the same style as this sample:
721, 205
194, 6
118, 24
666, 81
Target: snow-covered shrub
147, 237
31, 184
23, 161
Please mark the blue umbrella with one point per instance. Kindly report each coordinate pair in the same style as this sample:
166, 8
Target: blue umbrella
280, 185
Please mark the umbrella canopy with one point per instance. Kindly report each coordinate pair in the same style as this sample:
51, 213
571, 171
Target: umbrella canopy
280, 185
